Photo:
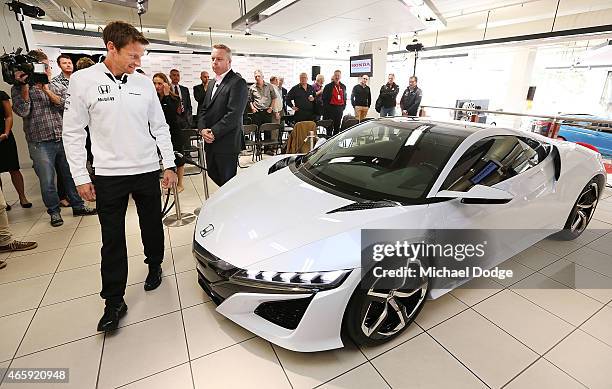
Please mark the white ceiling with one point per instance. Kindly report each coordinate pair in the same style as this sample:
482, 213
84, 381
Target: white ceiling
343, 20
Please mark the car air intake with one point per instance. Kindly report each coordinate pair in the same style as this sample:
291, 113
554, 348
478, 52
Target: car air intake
281, 164
284, 313
365, 205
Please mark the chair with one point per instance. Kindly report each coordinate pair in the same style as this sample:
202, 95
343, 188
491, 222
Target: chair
327, 124
298, 142
274, 140
348, 123
250, 138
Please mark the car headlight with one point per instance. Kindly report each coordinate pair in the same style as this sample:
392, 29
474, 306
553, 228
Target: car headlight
314, 280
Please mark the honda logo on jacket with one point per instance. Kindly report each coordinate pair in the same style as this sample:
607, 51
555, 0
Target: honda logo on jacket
104, 89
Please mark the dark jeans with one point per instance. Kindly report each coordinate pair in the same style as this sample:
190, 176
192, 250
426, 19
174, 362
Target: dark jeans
334, 112
112, 194
221, 167
46, 156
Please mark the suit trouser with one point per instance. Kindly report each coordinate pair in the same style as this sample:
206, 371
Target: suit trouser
5, 232
361, 112
112, 195
221, 167
334, 112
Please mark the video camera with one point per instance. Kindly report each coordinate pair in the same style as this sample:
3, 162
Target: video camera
16, 61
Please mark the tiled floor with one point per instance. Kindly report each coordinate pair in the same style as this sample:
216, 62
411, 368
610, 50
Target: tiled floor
537, 332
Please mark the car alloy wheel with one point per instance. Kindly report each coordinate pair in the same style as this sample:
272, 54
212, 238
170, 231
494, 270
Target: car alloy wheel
389, 311
585, 208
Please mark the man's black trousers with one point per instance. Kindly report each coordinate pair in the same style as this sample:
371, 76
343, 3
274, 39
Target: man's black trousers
112, 195
334, 112
221, 167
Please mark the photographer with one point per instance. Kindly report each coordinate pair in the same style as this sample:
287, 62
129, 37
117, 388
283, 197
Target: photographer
41, 105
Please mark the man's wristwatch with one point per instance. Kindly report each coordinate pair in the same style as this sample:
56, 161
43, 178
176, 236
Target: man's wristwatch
173, 168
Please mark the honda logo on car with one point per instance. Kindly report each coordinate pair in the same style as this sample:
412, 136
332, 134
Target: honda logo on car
207, 230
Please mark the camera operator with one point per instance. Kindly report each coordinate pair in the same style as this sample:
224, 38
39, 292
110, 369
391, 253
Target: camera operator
41, 105
127, 126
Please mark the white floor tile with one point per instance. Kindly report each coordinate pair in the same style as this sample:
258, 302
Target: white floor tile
535, 258
82, 358
176, 378
183, 258
85, 235
144, 305
519, 272
544, 374
423, 363
564, 247
13, 328
50, 241
558, 299
73, 283
307, 370
364, 376
489, 352
257, 362
208, 331
28, 266
372, 352
593, 259
578, 277
436, 311
181, 236
81, 255
532, 325
600, 325
42, 226
190, 291
142, 349
476, 290
61, 323
22, 295
585, 358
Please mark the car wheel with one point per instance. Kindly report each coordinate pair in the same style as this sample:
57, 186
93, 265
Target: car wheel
375, 315
582, 212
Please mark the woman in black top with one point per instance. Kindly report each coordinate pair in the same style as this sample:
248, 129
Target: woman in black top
9, 160
171, 105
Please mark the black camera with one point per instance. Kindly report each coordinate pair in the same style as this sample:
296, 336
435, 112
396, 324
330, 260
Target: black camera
17, 62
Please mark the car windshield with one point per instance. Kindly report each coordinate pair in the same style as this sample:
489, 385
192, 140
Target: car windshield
382, 160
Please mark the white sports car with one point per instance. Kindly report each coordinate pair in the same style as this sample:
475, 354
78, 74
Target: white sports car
278, 248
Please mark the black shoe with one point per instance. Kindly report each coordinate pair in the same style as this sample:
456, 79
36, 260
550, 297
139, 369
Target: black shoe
56, 220
112, 314
8, 207
154, 278
85, 211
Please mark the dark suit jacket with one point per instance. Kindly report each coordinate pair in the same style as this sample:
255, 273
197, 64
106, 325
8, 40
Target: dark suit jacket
199, 93
185, 118
327, 93
223, 114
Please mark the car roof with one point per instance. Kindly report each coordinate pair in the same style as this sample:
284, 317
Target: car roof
458, 127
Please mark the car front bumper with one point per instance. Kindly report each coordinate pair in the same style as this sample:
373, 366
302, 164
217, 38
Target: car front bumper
297, 319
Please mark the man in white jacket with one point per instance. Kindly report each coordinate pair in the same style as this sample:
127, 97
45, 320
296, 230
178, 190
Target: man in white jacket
127, 127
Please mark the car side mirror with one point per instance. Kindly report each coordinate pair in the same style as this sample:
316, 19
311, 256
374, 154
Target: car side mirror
478, 194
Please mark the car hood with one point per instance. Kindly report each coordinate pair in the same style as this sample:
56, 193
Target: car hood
258, 215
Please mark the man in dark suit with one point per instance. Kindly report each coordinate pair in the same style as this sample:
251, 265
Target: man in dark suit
199, 91
184, 116
220, 117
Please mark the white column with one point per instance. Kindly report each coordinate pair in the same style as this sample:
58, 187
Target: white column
378, 49
519, 81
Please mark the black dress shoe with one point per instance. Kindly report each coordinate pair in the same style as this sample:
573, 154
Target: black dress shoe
85, 211
154, 278
112, 314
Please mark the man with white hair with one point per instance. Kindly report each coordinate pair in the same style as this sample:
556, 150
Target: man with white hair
301, 98
261, 99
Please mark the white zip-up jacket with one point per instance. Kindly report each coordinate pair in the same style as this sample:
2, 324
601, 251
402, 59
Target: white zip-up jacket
126, 124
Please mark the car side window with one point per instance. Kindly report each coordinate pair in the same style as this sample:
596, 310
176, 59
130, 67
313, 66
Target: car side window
493, 160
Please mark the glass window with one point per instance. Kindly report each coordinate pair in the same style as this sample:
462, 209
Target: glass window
381, 160
493, 160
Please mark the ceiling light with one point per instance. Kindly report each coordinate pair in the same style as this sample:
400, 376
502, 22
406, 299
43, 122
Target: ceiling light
279, 5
